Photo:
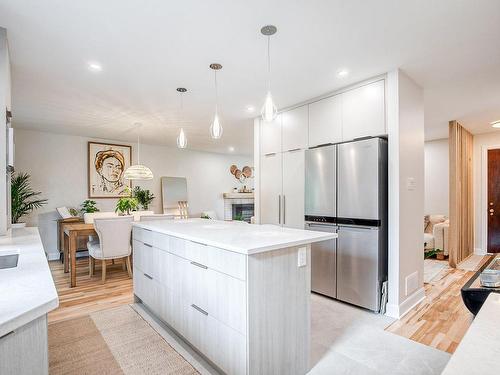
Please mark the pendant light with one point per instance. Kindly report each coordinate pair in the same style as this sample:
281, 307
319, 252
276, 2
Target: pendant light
269, 111
181, 138
216, 128
138, 171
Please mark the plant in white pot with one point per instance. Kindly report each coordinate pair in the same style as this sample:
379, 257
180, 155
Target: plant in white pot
23, 198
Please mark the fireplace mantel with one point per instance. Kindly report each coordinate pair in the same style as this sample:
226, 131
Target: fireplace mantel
238, 196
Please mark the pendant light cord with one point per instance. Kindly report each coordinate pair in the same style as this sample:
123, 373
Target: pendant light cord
216, 92
138, 147
268, 63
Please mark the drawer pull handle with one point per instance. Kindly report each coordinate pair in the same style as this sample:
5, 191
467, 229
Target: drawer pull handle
199, 309
148, 245
7, 334
199, 265
199, 243
149, 277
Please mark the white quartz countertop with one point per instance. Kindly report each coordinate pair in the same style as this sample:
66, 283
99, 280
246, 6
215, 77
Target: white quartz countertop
236, 236
26, 291
479, 350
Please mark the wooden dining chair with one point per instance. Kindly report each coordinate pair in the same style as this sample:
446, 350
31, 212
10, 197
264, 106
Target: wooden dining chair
114, 243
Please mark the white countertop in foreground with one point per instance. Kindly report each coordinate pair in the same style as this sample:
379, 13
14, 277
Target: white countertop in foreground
26, 291
236, 236
479, 350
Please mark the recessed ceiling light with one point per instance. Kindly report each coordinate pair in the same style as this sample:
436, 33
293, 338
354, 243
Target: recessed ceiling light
94, 67
231, 148
342, 73
250, 108
495, 124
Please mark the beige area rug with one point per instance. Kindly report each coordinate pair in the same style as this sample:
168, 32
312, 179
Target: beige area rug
113, 341
432, 268
472, 263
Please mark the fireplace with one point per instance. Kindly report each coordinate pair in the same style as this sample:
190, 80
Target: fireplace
238, 206
242, 211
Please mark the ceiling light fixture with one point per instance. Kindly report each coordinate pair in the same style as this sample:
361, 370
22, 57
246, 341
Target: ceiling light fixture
216, 128
231, 148
250, 108
94, 67
269, 111
138, 171
342, 73
495, 124
181, 138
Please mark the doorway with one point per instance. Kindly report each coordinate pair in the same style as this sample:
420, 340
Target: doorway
493, 213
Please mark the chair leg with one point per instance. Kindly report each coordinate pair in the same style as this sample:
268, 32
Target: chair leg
124, 264
103, 271
112, 261
91, 266
129, 268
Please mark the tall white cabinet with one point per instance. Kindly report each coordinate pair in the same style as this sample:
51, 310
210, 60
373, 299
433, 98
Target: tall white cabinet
283, 142
352, 113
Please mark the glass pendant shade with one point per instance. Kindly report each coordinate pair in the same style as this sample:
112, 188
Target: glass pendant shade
216, 128
138, 172
269, 111
181, 139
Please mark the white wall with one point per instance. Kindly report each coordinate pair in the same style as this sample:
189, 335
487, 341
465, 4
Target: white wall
58, 166
4, 103
481, 143
405, 121
437, 160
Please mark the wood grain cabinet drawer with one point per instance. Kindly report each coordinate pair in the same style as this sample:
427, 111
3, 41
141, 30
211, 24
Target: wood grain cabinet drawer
148, 290
146, 258
143, 235
221, 344
228, 262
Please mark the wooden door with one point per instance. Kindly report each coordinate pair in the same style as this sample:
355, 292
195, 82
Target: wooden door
494, 201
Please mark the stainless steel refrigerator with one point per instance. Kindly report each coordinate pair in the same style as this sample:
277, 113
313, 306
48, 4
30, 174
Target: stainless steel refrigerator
357, 186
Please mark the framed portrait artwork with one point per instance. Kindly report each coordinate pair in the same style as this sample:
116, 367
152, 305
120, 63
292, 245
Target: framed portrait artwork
106, 165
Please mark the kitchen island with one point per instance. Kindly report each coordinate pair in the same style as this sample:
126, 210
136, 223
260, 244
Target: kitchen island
238, 293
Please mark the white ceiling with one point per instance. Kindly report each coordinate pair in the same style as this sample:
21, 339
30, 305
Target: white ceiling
148, 48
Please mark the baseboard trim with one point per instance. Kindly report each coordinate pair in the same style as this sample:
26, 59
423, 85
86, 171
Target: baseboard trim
398, 311
479, 251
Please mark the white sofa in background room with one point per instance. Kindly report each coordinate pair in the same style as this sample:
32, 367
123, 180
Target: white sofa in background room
436, 233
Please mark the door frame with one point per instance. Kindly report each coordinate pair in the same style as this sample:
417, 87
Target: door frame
484, 197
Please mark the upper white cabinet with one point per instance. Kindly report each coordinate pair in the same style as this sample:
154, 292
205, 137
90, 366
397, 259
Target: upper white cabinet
294, 125
363, 111
325, 121
270, 136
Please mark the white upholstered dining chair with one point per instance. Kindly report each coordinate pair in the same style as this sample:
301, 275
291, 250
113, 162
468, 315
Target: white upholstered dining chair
114, 242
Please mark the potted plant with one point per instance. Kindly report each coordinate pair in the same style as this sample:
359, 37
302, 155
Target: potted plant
127, 204
144, 197
89, 206
23, 198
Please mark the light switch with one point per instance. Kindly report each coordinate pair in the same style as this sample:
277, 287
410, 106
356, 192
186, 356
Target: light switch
302, 258
411, 184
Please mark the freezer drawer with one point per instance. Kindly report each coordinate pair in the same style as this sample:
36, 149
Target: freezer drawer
361, 182
359, 266
320, 181
323, 262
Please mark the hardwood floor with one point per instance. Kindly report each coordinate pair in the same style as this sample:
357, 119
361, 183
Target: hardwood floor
442, 319
90, 294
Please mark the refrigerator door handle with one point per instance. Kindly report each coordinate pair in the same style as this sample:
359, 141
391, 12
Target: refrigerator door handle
279, 208
284, 210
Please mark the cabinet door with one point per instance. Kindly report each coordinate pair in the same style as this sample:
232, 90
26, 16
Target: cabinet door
325, 121
270, 136
294, 128
363, 111
270, 189
293, 189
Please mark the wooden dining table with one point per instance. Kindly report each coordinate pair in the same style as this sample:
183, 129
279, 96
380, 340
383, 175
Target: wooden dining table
71, 234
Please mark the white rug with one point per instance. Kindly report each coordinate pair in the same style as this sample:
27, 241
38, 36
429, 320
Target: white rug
471, 263
432, 268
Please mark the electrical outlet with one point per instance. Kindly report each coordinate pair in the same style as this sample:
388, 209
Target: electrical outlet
302, 257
